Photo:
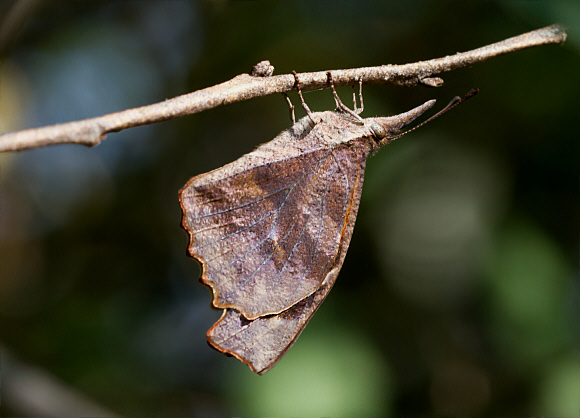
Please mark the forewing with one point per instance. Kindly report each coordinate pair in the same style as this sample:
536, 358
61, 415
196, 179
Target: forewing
268, 233
260, 343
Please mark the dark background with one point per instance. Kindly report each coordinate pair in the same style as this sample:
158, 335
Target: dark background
459, 294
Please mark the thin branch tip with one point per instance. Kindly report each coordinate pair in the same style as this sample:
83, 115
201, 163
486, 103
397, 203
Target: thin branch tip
558, 31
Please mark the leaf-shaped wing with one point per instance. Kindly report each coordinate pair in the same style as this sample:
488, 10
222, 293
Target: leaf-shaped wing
260, 343
268, 234
267, 227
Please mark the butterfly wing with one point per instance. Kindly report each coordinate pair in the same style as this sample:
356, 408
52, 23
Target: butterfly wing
261, 342
268, 227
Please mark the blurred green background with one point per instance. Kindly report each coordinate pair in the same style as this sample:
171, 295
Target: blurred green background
459, 294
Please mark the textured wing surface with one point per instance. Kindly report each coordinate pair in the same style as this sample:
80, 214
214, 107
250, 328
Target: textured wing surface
260, 343
268, 231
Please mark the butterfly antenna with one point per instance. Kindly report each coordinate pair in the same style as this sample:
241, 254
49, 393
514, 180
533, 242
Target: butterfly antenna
456, 101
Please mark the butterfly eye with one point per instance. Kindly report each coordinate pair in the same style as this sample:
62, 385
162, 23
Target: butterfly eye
378, 131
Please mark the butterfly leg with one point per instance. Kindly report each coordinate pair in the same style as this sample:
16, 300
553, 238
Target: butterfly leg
360, 98
291, 108
304, 105
339, 105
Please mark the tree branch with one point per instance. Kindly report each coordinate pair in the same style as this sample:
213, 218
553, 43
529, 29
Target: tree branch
245, 86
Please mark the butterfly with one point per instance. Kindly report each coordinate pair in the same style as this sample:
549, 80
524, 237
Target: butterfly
271, 229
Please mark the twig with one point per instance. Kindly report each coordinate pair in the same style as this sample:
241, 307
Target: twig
261, 83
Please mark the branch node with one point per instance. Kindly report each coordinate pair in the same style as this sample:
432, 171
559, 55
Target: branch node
262, 69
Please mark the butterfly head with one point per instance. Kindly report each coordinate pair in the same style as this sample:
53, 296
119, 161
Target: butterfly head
385, 129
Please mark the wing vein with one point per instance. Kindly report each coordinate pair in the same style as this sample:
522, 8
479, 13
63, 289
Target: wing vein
308, 173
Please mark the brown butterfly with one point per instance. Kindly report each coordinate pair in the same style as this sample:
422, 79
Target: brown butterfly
272, 228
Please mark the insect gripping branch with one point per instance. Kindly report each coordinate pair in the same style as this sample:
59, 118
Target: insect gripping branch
272, 228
